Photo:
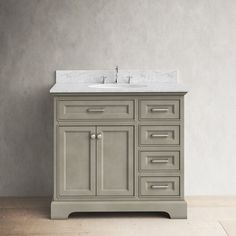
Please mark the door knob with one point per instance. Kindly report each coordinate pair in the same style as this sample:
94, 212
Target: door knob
93, 136
99, 136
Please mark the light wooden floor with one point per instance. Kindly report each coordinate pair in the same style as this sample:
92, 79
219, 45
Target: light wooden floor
207, 216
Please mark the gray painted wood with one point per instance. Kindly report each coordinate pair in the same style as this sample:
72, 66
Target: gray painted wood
159, 109
76, 161
159, 186
94, 110
153, 161
116, 166
175, 209
159, 135
115, 160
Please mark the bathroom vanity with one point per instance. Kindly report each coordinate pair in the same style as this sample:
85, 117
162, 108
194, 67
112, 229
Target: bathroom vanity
118, 147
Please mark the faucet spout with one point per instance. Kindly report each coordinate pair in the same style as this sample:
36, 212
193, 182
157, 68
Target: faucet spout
116, 78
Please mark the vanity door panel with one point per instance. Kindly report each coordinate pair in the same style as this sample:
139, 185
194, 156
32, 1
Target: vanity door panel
115, 160
76, 161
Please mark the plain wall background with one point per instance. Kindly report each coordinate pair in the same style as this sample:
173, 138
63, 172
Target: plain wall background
39, 37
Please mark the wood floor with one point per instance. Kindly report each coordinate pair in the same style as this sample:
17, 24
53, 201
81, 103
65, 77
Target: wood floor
207, 216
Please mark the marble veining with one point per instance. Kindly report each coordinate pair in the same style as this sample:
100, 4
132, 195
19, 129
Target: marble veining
97, 76
80, 81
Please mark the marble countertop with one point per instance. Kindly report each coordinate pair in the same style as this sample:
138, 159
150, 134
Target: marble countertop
148, 81
149, 88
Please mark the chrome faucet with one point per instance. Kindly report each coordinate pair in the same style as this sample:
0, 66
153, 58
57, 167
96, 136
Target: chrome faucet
116, 80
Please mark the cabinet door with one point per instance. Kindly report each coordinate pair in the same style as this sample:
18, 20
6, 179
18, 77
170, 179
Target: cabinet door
115, 160
75, 161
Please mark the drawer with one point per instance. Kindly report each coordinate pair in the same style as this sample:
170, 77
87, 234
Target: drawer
159, 135
159, 109
94, 110
160, 186
159, 160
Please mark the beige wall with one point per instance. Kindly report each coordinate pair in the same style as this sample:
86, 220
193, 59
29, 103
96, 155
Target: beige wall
38, 37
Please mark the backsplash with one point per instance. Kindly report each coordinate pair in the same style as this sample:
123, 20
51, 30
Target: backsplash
97, 76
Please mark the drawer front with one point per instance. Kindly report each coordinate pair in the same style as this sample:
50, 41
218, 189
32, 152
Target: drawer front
159, 186
160, 135
158, 161
94, 110
159, 109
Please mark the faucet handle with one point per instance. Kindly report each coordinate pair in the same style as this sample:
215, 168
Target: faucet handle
116, 74
104, 79
129, 78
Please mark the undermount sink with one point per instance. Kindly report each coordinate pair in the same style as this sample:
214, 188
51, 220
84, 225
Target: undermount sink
114, 85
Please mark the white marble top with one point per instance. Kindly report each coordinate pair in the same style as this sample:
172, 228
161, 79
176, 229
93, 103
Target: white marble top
83, 81
85, 88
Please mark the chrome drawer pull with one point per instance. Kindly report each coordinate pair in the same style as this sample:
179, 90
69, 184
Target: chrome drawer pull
159, 109
159, 161
99, 136
159, 135
159, 186
95, 110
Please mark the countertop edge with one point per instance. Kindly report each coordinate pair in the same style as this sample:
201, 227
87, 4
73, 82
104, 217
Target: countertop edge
117, 93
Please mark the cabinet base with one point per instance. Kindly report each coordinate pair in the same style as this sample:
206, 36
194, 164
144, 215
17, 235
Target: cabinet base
175, 209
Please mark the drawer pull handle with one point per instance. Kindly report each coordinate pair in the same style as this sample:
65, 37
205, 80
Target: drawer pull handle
159, 186
99, 136
159, 109
159, 135
159, 161
93, 136
95, 110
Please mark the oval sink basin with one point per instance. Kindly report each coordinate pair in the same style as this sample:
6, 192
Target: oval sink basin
111, 86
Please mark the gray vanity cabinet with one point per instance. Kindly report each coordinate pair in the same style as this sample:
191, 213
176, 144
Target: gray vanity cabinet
95, 160
118, 153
